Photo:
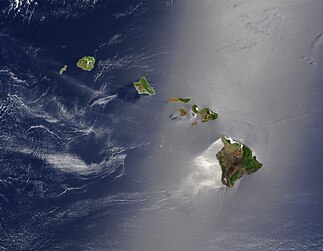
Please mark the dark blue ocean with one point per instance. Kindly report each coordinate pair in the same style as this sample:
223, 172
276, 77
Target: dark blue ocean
87, 119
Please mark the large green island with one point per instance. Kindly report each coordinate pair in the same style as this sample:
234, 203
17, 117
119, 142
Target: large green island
236, 160
143, 87
206, 113
86, 63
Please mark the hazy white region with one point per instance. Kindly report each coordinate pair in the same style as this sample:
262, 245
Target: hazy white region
104, 101
16, 5
205, 172
232, 141
72, 163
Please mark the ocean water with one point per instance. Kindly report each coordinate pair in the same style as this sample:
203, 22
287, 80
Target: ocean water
88, 164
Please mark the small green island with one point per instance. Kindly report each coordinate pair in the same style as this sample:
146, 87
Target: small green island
179, 100
206, 113
143, 87
86, 63
236, 160
195, 109
63, 69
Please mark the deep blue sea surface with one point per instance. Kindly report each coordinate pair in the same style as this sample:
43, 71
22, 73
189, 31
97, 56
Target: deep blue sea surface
65, 138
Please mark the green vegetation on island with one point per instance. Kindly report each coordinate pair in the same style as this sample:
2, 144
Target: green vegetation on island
86, 63
195, 109
236, 160
64, 68
143, 87
206, 113
179, 100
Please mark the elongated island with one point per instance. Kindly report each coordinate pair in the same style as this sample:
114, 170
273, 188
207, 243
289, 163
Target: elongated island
143, 87
63, 69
